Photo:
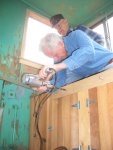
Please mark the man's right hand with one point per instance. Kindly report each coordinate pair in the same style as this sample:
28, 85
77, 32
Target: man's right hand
44, 74
40, 89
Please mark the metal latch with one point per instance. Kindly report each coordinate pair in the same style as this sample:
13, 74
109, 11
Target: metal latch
79, 148
89, 148
77, 105
50, 128
89, 102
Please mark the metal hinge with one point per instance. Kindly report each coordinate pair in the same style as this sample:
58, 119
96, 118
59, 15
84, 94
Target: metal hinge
89, 102
50, 128
78, 148
77, 105
89, 148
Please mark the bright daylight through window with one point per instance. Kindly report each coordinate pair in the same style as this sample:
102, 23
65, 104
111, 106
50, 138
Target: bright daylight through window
105, 29
34, 32
110, 24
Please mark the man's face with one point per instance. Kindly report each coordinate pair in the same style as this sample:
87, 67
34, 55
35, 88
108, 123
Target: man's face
62, 27
57, 55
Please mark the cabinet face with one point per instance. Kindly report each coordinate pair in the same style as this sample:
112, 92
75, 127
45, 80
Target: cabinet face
59, 124
101, 117
67, 122
63, 124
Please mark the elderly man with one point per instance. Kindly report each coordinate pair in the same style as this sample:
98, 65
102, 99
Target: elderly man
76, 56
62, 26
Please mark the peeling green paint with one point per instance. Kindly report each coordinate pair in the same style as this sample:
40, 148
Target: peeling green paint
14, 99
12, 14
14, 130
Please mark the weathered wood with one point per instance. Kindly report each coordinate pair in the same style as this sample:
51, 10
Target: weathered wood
110, 109
94, 120
104, 122
84, 122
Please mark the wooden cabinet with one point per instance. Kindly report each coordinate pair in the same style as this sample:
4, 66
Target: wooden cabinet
80, 117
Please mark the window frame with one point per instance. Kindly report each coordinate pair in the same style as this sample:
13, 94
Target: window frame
106, 30
37, 17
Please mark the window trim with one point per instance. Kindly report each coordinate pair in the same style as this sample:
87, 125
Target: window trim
40, 18
106, 31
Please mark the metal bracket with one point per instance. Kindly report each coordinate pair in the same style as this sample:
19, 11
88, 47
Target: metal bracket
77, 105
89, 148
50, 128
80, 147
89, 102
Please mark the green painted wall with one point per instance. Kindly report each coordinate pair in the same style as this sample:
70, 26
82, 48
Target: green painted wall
14, 118
14, 99
12, 14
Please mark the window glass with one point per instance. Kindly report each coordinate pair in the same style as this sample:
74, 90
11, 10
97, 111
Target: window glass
110, 25
34, 32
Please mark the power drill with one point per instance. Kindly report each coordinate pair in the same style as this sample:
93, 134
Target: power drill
35, 81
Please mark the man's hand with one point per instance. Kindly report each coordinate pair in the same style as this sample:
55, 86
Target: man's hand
40, 89
45, 74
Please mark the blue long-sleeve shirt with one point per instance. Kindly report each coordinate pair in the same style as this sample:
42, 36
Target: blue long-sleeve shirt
93, 35
85, 57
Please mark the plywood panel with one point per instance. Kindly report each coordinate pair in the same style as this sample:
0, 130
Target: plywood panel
58, 124
51, 124
66, 108
84, 122
62, 124
74, 122
34, 138
67, 122
104, 122
94, 119
110, 109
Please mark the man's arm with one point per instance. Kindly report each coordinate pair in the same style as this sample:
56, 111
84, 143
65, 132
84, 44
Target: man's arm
84, 53
57, 67
47, 76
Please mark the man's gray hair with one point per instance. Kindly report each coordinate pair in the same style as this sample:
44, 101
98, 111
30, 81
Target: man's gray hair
50, 41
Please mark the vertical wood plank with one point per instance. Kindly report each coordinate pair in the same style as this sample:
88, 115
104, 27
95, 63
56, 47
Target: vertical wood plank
67, 122
74, 122
110, 109
60, 140
66, 107
104, 124
48, 124
54, 124
84, 121
31, 143
34, 138
94, 120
